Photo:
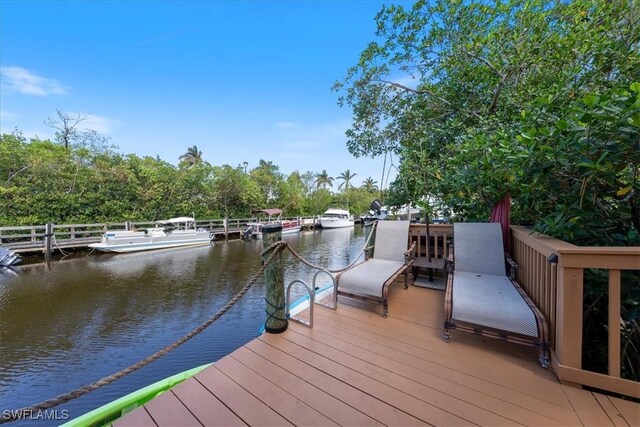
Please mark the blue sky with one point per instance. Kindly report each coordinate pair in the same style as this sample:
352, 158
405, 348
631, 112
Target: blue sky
242, 80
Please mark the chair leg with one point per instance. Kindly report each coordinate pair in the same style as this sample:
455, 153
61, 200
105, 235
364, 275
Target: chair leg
385, 309
446, 336
544, 359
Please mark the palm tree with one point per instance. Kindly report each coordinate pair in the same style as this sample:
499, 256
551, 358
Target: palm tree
370, 185
346, 177
323, 180
193, 156
267, 165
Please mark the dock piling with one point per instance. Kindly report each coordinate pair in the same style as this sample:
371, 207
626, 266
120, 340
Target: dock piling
48, 237
274, 283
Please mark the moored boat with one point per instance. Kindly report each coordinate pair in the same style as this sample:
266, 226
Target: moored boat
183, 232
8, 257
336, 218
272, 216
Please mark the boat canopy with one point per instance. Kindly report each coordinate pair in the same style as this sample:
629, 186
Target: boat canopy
267, 211
176, 220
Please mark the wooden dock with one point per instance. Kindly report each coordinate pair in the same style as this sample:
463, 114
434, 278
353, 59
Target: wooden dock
357, 368
51, 237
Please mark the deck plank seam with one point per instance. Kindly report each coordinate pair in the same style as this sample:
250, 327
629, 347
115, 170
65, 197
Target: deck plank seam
323, 373
411, 341
595, 396
309, 407
473, 390
407, 395
221, 401
440, 394
256, 397
319, 390
353, 386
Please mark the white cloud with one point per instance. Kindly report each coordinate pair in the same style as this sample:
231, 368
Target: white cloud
100, 124
7, 115
21, 80
286, 125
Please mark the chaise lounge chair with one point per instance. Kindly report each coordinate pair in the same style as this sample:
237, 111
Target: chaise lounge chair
370, 280
481, 299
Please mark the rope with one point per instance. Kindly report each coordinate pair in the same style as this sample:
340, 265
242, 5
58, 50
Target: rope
9, 416
272, 250
317, 267
273, 315
55, 241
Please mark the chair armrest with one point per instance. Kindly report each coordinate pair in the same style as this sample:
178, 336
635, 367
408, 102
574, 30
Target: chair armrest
448, 264
410, 254
512, 266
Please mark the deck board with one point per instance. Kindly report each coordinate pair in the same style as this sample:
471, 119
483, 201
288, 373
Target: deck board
333, 408
251, 410
374, 408
439, 388
377, 369
629, 410
357, 368
612, 412
167, 410
204, 405
443, 376
139, 417
285, 404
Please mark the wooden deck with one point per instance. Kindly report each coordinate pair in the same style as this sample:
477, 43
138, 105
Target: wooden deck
357, 368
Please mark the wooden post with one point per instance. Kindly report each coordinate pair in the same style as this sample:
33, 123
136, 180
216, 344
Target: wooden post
127, 225
569, 316
225, 224
274, 283
48, 237
72, 232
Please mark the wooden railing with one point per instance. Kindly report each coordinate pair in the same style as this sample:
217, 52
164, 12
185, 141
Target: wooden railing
34, 237
552, 273
440, 234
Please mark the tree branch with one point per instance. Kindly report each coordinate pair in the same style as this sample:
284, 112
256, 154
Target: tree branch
487, 63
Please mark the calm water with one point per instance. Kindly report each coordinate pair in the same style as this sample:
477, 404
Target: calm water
79, 320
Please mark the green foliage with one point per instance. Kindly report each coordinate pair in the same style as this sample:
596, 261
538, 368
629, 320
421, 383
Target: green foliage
536, 98
89, 182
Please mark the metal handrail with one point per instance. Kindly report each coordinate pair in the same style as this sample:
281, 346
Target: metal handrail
312, 298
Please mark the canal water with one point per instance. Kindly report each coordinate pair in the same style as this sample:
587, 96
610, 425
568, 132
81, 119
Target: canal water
75, 321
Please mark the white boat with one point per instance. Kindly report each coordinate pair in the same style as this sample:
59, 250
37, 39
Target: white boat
182, 233
273, 216
336, 218
8, 257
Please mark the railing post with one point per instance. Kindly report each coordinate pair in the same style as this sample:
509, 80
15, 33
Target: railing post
72, 232
225, 225
274, 283
48, 237
569, 316
614, 323
127, 225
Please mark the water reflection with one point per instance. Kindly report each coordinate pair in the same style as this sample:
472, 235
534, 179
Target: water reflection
75, 321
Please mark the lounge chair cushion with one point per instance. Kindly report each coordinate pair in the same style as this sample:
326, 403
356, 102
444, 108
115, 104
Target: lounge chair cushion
479, 248
391, 240
491, 301
368, 278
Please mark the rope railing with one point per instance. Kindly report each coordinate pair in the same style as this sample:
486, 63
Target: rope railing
13, 415
272, 250
317, 267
